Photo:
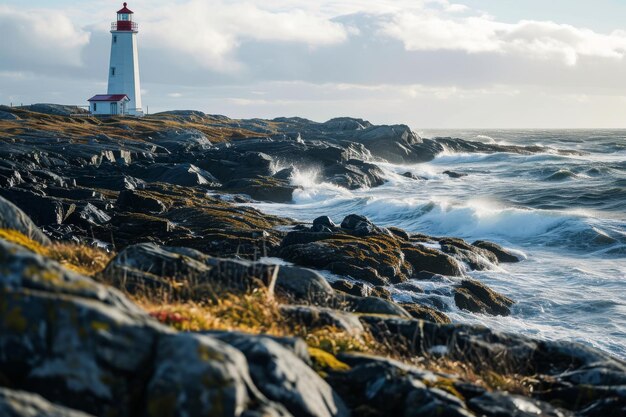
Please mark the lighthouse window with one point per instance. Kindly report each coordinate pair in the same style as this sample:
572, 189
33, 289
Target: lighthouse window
114, 38
113, 71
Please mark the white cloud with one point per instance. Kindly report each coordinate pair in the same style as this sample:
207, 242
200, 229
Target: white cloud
430, 30
47, 39
210, 32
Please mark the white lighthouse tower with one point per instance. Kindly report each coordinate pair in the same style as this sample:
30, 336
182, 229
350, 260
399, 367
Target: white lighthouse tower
124, 63
124, 92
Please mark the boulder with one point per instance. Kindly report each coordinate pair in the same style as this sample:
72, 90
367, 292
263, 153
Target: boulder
375, 305
323, 222
425, 259
476, 297
476, 258
360, 290
181, 140
149, 267
358, 249
453, 174
12, 217
502, 254
354, 174
284, 378
69, 339
426, 313
381, 387
55, 109
41, 209
262, 189
301, 284
497, 404
184, 174
87, 216
360, 226
25, 404
197, 375
5, 115
319, 317
132, 200
85, 346
285, 174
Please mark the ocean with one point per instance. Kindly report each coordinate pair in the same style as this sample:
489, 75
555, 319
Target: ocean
564, 211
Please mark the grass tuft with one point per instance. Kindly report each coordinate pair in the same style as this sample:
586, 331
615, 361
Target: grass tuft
83, 259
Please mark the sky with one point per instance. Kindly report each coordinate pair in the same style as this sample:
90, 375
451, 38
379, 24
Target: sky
425, 63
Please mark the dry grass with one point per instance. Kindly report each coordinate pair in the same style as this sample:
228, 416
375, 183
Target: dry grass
83, 259
257, 312
127, 128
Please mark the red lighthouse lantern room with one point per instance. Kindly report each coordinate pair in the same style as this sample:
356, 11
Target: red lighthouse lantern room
124, 20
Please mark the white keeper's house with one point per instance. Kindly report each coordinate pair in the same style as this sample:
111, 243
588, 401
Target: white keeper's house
124, 92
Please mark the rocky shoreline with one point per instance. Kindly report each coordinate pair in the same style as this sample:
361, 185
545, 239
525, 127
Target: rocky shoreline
167, 196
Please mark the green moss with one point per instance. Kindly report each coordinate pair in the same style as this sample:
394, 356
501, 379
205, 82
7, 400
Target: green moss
324, 361
445, 384
100, 326
206, 354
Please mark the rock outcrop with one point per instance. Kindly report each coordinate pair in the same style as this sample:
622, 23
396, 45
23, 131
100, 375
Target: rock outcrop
168, 194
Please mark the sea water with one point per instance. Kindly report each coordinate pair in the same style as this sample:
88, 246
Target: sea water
566, 213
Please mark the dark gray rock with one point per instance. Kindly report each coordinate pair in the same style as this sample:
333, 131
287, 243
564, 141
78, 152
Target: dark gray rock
131, 200
87, 216
69, 339
24, 404
501, 253
496, 404
85, 346
360, 226
475, 257
54, 109
387, 388
284, 378
427, 313
285, 174
301, 284
375, 305
11, 217
319, 317
147, 266
324, 221
262, 189
41, 209
425, 259
345, 123
5, 115
185, 174
476, 297
197, 375
181, 140
360, 290
453, 174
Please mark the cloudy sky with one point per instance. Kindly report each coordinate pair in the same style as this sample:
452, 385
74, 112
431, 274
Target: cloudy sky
427, 63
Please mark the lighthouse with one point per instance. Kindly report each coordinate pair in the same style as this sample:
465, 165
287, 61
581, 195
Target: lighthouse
124, 91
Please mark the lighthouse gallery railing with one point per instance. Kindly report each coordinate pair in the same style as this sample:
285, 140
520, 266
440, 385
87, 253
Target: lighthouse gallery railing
124, 25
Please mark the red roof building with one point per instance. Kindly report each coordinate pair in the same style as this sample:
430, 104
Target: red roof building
108, 104
108, 97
